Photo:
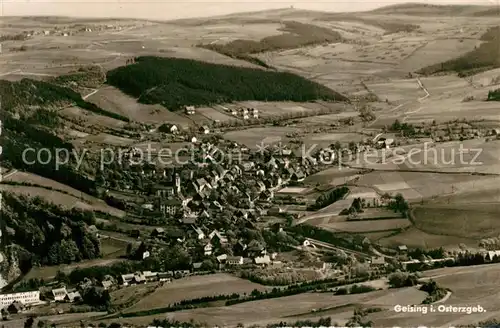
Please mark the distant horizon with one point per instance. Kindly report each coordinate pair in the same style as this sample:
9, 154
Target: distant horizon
169, 10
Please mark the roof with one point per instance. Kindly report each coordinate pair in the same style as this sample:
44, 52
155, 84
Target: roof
378, 260
197, 265
128, 276
73, 295
234, 258
222, 257
59, 292
107, 284
262, 259
173, 202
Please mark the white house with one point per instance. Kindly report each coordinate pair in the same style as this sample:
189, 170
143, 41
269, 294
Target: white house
234, 260
174, 129
190, 110
59, 294
207, 249
31, 297
127, 278
262, 260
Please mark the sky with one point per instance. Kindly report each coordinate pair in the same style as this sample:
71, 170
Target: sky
167, 10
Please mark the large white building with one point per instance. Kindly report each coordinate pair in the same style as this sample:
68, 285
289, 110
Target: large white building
24, 297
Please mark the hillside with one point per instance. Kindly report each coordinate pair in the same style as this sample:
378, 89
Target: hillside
482, 58
43, 233
27, 97
421, 9
30, 120
295, 35
175, 83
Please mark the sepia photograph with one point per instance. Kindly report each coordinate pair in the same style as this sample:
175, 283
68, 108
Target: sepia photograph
249, 164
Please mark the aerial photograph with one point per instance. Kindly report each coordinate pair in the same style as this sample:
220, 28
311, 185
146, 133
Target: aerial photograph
243, 164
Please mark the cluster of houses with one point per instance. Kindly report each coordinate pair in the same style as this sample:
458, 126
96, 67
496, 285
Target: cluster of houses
200, 191
244, 113
148, 276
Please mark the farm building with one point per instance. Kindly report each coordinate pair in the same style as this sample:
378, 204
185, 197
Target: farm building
234, 260
262, 260
59, 294
190, 110
73, 297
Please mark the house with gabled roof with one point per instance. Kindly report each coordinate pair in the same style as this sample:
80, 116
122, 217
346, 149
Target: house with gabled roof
262, 260
234, 260
218, 238
73, 296
58, 294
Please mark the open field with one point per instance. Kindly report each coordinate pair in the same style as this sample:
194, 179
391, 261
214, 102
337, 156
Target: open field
418, 239
470, 286
437, 51
195, 287
49, 272
370, 57
90, 118
366, 225
113, 100
333, 176
285, 308
466, 221
25, 177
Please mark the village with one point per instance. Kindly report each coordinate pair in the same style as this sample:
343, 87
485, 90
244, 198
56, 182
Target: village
192, 205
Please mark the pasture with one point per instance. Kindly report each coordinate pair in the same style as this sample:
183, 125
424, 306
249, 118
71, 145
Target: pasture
92, 119
195, 287
416, 238
474, 221
470, 286
365, 226
290, 308
332, 176
113, 100
62, 199
49, 272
